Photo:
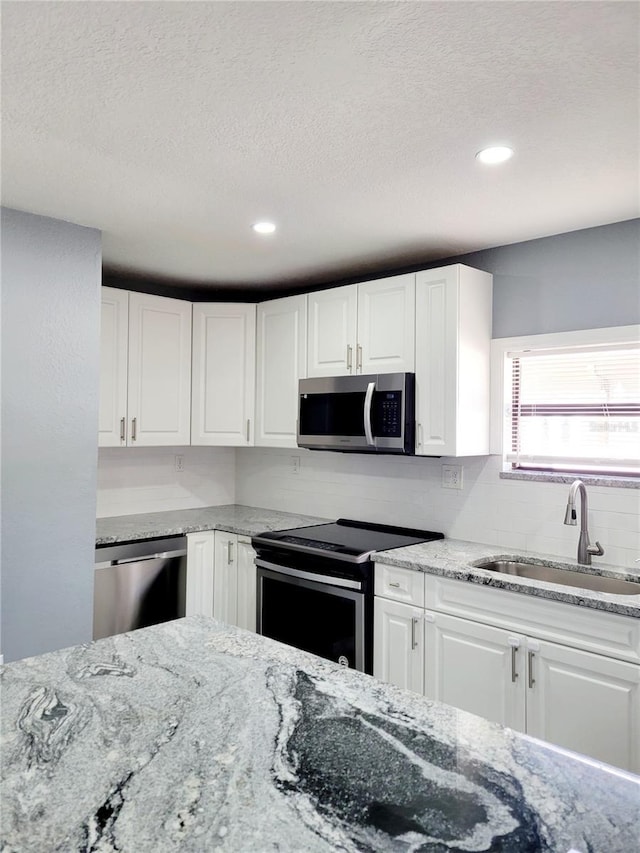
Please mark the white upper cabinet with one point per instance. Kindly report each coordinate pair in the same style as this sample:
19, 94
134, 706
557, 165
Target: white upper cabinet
386, 312
145, 373
332, 329
281, 362
159, 394
453, 338
114, 341
223, 377
363, 328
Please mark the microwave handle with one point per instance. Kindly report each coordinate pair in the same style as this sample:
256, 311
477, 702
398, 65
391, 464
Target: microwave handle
371, 387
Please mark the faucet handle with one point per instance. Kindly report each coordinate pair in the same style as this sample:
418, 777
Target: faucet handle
597, 550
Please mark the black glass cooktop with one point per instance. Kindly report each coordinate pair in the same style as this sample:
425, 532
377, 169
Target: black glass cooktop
345, 538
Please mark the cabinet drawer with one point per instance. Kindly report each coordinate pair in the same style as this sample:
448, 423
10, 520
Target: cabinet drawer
568, 624
400, 584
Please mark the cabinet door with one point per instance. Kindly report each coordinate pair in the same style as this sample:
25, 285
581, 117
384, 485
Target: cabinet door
159, 407
114, 334
476, 668
386, 325
200, 573
398, 644
225, 582
223, 380
453, 338
281, 362
247, 585
585, 702
332, 332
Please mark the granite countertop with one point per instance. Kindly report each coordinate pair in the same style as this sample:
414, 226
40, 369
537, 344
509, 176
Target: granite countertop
453, 558
193, 736
244, 520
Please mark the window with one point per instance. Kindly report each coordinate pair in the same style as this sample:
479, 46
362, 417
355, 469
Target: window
574, 408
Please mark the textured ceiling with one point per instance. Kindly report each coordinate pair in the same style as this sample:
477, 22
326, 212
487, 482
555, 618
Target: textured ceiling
172, 126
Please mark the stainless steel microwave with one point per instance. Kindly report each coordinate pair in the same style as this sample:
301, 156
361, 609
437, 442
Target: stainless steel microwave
374, 413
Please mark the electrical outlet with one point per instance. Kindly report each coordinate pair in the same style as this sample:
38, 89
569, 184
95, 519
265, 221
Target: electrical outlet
179, 462
452, 476
295, 464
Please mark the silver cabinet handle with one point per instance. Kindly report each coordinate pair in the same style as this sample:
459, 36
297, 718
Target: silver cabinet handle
349, 358
123, 436
368, 398
394, 584
134, 429
419, 435
229, 552
248, 430
414, 642
530, 657
514, 674
359, 359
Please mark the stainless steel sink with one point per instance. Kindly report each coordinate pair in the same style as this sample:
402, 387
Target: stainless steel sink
551, 574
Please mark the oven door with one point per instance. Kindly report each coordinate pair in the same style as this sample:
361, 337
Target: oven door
319, 614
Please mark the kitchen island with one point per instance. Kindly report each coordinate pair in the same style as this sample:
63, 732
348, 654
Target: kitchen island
194, 736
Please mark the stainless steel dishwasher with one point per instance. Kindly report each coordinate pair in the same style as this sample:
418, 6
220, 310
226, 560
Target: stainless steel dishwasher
139, 584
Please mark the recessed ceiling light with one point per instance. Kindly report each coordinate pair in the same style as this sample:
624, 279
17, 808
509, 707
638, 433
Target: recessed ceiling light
495, 154
264, 227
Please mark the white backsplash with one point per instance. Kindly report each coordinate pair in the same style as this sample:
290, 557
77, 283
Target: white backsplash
511, 514
144, 479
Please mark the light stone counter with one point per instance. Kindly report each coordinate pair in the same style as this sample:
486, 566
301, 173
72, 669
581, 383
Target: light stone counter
453, 558
192, 736
244, 520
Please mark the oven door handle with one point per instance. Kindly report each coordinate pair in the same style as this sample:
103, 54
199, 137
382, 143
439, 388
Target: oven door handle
328, 580
371, 387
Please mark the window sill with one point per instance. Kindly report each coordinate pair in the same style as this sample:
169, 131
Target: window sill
559, 477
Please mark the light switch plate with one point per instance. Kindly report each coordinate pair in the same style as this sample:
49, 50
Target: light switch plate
452, 476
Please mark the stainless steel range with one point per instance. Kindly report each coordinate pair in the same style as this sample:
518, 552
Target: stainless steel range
315, 586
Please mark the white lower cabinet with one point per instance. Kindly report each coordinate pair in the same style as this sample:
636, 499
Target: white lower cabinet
568, 696
398, 644
586, 702
200, 557
221, 578
225, 577
474, 667
247, 581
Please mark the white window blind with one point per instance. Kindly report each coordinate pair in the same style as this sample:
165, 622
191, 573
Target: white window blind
576, 409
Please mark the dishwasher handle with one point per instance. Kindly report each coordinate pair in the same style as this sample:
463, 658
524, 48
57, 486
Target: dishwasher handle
164, 555
140, 550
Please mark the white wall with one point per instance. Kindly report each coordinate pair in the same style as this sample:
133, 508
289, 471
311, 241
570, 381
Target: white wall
144, 479
50, 352
511, 514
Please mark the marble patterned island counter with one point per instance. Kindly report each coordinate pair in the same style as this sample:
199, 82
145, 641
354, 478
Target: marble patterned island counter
193, 736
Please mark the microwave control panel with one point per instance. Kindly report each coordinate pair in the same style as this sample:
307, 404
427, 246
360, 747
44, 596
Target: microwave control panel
389, 410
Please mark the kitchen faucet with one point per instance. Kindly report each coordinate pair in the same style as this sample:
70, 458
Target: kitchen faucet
585, 550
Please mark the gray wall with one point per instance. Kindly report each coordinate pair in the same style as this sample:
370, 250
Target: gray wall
585, 279
50, 353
